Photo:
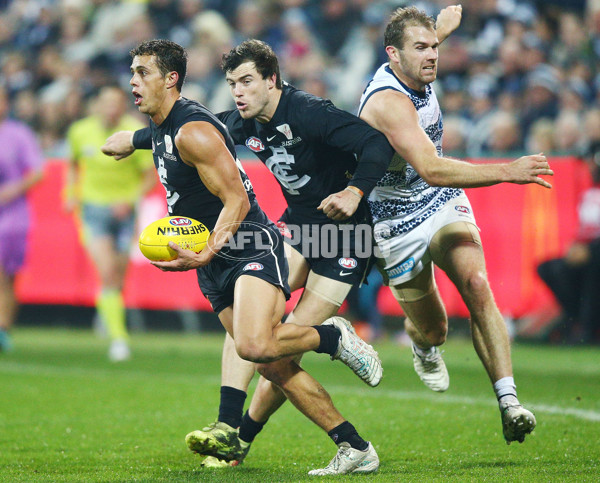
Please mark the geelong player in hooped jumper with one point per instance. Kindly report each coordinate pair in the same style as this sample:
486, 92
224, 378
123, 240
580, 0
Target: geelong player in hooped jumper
196, 162
422, 217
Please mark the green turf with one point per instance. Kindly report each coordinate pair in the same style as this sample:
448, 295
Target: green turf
67, 414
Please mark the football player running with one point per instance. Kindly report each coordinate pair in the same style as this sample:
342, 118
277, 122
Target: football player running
422, 216
196, 162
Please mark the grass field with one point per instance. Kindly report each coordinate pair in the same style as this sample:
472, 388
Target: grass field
67, 414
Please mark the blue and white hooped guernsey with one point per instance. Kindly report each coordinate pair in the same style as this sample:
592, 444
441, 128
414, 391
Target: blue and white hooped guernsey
402, 196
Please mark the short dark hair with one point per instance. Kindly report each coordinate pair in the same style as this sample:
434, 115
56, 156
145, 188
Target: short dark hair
256, 51
400, 20
170, 57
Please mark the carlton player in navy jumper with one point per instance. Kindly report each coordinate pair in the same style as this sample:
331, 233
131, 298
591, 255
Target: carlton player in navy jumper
195, 159
422, 217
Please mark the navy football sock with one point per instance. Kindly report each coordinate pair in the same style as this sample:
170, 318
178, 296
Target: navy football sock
347, 432
330, 339
231, 406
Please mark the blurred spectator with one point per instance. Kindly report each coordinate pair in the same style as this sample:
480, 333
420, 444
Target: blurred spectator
568, 132
505, 135
540, 96
334, 20
20, 169
454, 139
255, 20
104, 194
541, 137
575, 278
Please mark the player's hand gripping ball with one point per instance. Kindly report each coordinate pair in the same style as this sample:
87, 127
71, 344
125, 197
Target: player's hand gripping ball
185, 232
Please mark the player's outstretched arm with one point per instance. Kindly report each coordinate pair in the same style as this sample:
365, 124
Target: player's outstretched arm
202, 146
119, 145
448, 21
394, 115
123, 143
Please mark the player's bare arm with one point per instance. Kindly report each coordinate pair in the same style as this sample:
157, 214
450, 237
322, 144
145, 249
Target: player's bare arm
119, 145
394, 114
447, 21
200, 145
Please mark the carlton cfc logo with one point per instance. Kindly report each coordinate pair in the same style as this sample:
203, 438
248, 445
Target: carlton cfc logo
348, 263
253, 266
255, 144
180, 221
462, 209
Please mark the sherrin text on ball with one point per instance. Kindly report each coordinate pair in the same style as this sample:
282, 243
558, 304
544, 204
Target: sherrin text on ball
186, 232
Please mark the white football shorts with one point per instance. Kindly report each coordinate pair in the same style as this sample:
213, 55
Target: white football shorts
403, 257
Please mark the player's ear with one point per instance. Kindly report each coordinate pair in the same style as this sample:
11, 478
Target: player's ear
392, 53
272, 81
172, 78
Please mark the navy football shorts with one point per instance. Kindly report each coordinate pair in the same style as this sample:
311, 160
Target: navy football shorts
331, 252
264, 259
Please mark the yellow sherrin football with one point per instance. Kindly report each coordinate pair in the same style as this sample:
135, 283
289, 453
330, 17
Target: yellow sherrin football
185, 232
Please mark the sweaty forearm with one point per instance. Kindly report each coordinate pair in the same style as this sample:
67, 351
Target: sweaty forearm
454, 173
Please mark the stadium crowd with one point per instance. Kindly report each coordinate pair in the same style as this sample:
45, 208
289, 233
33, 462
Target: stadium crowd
517, 75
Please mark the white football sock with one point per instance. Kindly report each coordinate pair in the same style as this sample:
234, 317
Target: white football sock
506, 390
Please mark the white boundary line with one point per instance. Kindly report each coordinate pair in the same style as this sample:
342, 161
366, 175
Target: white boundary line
39, 369
586, 414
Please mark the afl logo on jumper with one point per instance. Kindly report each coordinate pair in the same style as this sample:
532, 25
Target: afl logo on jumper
255, 144
348, 263
462, 209
253, 266
180, 221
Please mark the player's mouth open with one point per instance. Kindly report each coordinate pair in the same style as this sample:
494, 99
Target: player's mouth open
138, 98
241, 105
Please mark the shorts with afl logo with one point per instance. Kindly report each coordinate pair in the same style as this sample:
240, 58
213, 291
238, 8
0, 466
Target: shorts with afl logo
331, 252
404, 256
257, 251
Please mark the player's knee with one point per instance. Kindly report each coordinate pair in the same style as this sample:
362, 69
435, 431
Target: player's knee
255, 351
477, 283
437, 335
272, 373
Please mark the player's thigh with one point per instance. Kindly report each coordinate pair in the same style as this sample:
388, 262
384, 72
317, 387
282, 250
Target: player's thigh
298, 267
258, 306
320, 300
421, 301
456, 249
226, 318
